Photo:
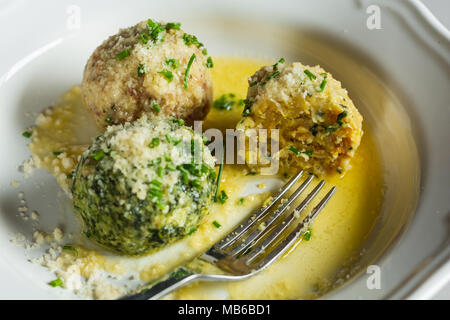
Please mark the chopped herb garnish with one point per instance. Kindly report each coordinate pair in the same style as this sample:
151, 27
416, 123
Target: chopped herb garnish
69, 176
155, 30
324, 74
298, 152
191, 39
294, 150
339, 170
155, 142
170, 167
144, 37
99, 155
209, 63
178, 121
56, 283
173, 25
27, 134
108, 121
122, 55
188, 68
156, 107
275, 66
222, 197
204, 52
160, 171
167, 74
70, 249
219, 176
57, 153
341, 116
216, 224
322, 85
192, 231
314, 128
173, 63
273, 75
240, 201
224, 102
141, 70
254, 83
307, 235
310, 75
247, 106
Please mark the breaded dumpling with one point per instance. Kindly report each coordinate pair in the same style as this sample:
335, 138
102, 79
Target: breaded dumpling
151, 67
319, 126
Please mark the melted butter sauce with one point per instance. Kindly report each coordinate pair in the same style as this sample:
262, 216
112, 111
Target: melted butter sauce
308, 270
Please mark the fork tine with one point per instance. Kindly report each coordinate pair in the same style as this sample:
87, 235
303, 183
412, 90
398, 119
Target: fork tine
257, 216
257, 234
259, 249
299, 230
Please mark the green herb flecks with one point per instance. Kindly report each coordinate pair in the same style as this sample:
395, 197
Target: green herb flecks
167, 74
98, 155
222, 197
209, 63
57, 153
298, 152
155, 142
310, 75
216, 224
191, 40
307, 235
225, 102
188, 68
247, 105
141, 70
156, 107
173, 25
56, 283
122, 55
173, 63
27, 134
322, 85
70, 249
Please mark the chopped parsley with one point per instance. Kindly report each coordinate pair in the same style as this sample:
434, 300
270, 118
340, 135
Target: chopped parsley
56, 283
216, 224
57, 153
99, 155
314, 128
209, 63
247, 106
167, 74
156, 107
173, 63
173, 25
155, 142
225, 102
70, 249
27, 134
122, 55
144, 37
222, 197
273, 75
322, 85
307, 235
109, 120
310, 75
188, 68
298, 152
155, 30
141, 70
341, 116
178, 121
191, 39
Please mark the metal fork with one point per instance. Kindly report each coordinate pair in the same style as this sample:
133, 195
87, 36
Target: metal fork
252, 246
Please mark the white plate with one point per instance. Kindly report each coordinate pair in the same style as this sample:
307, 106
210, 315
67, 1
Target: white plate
44, 51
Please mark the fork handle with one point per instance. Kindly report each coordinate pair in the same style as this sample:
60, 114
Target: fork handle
159, 288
